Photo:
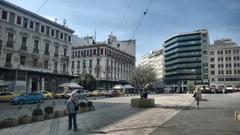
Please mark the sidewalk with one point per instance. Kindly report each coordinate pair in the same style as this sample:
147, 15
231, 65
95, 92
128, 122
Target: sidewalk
117, 118
215, 117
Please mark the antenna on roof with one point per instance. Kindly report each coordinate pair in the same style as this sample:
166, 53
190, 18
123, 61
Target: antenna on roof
64, 22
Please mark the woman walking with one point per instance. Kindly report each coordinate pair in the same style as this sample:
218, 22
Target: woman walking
197, 95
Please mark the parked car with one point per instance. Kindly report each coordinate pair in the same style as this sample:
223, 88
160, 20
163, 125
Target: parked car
79, 93
34, 97
48, 95
96, 93
112, 93
7, 96
59, 95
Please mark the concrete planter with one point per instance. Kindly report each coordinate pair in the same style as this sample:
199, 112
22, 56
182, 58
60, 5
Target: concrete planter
59, 114
25, 119
49, 115
144, 103
83, 109
10, 122
36, 118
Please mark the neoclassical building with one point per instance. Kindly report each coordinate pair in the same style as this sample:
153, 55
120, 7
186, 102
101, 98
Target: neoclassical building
34, 51
224, 64
110, 62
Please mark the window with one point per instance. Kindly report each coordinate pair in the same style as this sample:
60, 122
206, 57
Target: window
46, 49
56, 50
4, 15
19, 20
84, 63
55, 65
65, 52
61, 35
12, 18
94, 52
36, 42
10, 39
69, 38
72, 64
211, 52
22, 60
8, 58
212, 59
90, 63
78, 64
57, 34
42, 28
52, 32
212, 72
24, 42
25, 23
90, 52
46, 64
87, 52
212, 79
212, 66
31, 25
101, 51
37, 25
48, 31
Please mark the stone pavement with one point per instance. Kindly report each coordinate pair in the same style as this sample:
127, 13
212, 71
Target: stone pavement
215, 117
116, 117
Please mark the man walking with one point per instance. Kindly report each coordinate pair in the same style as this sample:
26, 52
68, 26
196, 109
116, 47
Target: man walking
72, 105
198, 95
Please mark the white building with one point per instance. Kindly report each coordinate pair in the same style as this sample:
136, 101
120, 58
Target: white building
155, 59
34, 51
224, 63
110, 62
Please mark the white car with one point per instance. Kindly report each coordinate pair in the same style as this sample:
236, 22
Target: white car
80, 93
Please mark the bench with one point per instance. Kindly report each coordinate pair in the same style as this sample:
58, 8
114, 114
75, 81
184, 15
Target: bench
237, 115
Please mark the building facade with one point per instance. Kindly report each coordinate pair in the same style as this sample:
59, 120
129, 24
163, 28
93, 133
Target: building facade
110, 62
155, 59
186, 58
34, 51
224, 64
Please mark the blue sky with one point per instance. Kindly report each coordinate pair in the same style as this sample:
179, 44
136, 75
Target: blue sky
164, 18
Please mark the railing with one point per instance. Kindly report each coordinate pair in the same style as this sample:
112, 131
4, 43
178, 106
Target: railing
35, 51
8, 64
10, 44
24, 47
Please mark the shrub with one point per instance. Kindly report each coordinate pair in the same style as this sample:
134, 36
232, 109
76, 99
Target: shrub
89, 103
37, 111
48, 109
83, 104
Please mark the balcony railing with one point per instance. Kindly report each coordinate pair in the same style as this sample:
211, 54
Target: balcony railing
35, 50
56, 54
7, 64
55, 71
10, 44
24, 47
46, 52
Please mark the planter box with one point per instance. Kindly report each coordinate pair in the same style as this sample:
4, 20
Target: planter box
37, 118
49, 115
144, 103
25, 119
83, 109
91, 108
10, 122
59, 114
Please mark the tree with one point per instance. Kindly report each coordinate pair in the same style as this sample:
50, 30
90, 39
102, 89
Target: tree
87, 81
142, 78
190, 86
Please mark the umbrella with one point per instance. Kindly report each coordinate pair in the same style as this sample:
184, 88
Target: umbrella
71, 85
128, 86
118, 87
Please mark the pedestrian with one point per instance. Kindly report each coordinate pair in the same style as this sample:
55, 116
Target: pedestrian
197, 94
72, 108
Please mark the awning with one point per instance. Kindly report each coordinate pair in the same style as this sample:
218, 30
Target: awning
70, 85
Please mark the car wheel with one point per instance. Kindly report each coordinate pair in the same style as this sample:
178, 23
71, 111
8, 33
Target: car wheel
41, 101
21, 102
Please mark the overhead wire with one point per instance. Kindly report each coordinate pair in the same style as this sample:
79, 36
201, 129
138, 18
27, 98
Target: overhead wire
41, 6
141, 19
124, 15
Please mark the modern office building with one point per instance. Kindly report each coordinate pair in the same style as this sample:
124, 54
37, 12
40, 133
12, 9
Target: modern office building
224, 64
34, 51
155, 60
186, 59
110, 62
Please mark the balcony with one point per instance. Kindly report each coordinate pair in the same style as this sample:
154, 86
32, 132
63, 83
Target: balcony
55, 71
46, 53
10, 44
23, 47
35, 51
56, 54
8, 64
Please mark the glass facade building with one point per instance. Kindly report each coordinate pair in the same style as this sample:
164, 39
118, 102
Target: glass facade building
186, 58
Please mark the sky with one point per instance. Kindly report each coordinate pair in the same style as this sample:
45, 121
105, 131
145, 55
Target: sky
163, 19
